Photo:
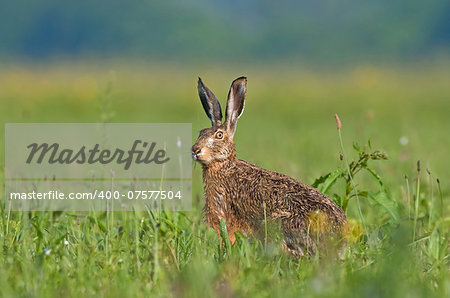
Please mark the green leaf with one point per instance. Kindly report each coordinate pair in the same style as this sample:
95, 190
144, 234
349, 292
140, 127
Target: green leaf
363, 193
99, 223
337, 199
320, 180
356, 146
224, 235
330, 180
375, 174
434, 244
102, 226
390, 206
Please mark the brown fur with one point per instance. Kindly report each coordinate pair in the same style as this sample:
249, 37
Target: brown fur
242, 193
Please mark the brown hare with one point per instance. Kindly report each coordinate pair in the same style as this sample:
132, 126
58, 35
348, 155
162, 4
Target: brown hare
244, 194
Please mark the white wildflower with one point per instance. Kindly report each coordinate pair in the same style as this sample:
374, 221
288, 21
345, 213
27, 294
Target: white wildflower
403, 141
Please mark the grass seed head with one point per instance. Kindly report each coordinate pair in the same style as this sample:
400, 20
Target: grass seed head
338, 121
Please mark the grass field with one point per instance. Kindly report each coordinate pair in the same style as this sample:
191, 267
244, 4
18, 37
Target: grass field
288, 125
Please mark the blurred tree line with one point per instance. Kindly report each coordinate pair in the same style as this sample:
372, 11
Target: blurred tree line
324, 30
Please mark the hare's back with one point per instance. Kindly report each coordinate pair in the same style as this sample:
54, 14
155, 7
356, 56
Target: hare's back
283, 194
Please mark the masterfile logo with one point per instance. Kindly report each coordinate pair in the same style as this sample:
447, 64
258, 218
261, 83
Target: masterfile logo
52, 154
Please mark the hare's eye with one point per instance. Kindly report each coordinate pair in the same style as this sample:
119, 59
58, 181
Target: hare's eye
219, 135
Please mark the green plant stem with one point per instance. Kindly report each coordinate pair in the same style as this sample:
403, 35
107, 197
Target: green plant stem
408, 193
416, 205
352, 182
440, 197
7, 220
265, 225
432, 201
136, 239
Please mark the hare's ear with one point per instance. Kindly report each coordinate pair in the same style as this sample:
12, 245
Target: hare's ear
235, 103
210, 104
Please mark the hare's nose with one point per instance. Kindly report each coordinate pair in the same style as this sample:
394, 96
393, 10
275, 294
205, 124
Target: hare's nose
195, 151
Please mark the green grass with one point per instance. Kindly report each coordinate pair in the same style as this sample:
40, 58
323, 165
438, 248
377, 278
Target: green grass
288, 125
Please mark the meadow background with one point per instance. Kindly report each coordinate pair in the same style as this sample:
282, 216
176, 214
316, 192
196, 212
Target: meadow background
382, 67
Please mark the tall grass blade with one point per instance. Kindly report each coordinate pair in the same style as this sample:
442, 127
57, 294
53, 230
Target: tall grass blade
224, 235
417, 198
408, 194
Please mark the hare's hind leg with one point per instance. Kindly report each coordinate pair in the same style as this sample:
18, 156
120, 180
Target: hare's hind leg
297, 241
299, 245
292, 249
